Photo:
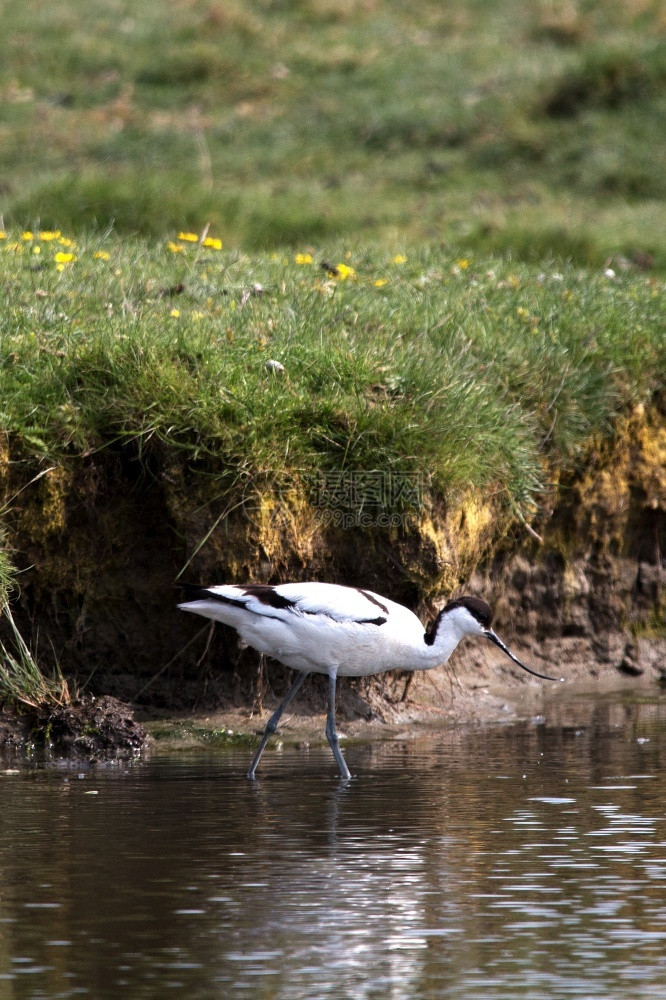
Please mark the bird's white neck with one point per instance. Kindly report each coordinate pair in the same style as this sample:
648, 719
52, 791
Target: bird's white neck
442, 637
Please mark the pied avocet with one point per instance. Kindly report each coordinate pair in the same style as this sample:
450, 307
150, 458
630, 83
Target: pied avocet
341, 631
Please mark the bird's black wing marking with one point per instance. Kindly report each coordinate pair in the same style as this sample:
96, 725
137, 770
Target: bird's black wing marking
344, 621
345, 605
373, 600
268, 595
193, 592
263, 593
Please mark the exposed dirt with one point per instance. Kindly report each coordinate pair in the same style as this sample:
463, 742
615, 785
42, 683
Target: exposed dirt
304, 723
89, 727
12, 730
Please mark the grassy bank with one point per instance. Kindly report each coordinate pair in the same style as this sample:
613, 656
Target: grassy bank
473, 373
173, 406
536, 128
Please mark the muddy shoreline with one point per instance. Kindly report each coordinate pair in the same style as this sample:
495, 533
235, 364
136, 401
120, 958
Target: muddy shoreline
475, 689
501, 705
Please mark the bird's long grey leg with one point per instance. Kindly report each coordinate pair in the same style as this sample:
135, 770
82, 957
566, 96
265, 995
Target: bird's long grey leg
331, 732
272, 723
408, 684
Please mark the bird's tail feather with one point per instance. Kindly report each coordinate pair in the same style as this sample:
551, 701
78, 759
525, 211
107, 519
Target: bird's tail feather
193, 592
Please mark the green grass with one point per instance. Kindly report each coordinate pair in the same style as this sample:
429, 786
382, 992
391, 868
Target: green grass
21, 680
536, 129
477, 373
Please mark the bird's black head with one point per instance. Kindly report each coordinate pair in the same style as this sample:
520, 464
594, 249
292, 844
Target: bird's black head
476, 607
478, 621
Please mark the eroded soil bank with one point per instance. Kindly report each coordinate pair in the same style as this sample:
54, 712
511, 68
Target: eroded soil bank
99, 544
88, 728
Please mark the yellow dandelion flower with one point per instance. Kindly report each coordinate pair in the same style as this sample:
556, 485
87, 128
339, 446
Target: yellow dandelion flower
49, 234
197, 314
27, 236
303, 258
3, 234
64, 241
399, 258
380, 282
102, 255
64, 258
36, 249
175, 247
175, 313
463, 263
188, 237
342, 272
213, 243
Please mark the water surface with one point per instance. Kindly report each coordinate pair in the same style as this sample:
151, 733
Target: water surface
506, 861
